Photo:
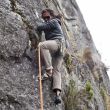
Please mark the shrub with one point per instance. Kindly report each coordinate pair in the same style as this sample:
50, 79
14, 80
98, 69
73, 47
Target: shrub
69, 98
103, 93
89, 90
68, 61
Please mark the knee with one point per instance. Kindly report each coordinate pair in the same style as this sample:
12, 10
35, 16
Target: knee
40, 44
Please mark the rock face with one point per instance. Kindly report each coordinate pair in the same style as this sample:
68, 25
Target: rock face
85, 83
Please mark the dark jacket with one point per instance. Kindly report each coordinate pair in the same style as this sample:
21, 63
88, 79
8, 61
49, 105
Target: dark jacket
52, 29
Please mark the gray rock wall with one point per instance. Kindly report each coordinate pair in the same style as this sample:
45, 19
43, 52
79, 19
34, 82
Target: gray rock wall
19, 87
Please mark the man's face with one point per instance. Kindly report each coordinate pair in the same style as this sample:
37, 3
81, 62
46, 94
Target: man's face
46, 16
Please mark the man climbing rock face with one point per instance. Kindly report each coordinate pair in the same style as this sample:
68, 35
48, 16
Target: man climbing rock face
51, 49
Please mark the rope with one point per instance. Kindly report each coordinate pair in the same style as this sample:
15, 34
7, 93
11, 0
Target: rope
40, 81
63, 19
67, 33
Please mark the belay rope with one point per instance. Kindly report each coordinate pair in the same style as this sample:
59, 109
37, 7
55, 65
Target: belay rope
40, 81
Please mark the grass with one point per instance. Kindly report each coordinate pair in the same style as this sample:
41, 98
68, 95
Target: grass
68, 62
103, 93
89, 90
70, 94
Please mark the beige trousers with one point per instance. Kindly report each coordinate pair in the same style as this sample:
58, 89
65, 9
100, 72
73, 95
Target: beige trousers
48, 48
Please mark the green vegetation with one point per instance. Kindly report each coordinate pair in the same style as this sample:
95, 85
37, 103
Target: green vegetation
106, 98
74, 98
89, 90
68, 62
70, 94
103, 93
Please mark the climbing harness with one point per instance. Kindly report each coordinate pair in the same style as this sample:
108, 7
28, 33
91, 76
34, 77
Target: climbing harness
40, 80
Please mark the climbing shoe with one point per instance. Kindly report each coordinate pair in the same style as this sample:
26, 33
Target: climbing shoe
57, 100
46, 75
43, 77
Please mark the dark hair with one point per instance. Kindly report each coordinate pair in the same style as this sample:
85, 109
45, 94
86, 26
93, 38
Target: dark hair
48, 10
59, 16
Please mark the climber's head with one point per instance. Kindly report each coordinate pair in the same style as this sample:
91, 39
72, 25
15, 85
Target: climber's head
47, 14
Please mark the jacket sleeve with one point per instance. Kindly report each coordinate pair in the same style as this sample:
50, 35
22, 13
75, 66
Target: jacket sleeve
47, 25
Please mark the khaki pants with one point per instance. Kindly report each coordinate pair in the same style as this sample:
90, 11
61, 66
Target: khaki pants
48, 48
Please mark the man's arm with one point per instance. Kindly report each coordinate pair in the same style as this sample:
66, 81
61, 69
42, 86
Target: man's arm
47, 25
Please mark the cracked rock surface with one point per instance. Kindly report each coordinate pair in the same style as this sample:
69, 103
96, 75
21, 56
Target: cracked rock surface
19, 87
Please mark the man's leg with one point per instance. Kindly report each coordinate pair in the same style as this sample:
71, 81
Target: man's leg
46, 47
57, 62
